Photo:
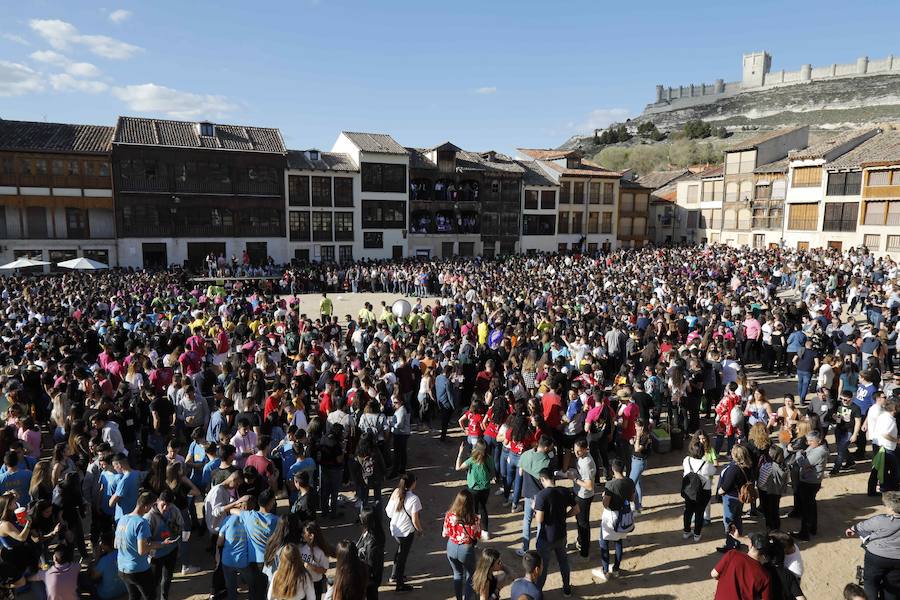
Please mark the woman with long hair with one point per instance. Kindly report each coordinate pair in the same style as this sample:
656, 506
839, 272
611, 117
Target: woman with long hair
371, 549
291, 580
493, 421
696, 498
287, 531
41, 487
60, 463
315, 552
462, 528
491, 575
351, 577
479, 468
737, 474
403, 510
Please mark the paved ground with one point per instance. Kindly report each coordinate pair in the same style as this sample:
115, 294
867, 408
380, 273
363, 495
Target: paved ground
658, 563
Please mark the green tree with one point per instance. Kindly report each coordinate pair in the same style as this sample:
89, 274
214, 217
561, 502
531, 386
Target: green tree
613, 157
696, 129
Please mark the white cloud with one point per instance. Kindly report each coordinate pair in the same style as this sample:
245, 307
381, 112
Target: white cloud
17, 79
485, 91
63, 82
120, 15
18, 39
83, 69
49, 56
152, 98
600, 118
62, 35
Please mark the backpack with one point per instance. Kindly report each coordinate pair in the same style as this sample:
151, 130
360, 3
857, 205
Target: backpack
776, 482
367, 465
625, 519
747, 494
692, 483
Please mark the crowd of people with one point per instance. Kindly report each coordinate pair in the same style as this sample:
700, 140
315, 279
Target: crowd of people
147, 417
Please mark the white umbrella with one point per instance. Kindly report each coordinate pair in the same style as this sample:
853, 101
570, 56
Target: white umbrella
82, 264
24, 263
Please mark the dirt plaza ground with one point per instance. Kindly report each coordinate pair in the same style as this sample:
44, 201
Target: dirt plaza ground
658, 564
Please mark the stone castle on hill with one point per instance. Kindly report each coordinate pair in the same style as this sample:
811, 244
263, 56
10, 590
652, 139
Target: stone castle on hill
757, 75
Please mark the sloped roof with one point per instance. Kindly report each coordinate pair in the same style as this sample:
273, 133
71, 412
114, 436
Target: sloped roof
482, 161
822, 149
753, 142
534, 175
713, 172
658, 179
34, 136
186, 134
779, 166
880, 149
381, 143
328, 161
418, 159
548, 154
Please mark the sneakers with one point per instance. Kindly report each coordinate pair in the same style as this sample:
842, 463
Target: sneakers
485, 536
404, 587
599, 575
186, 570
685, 535
567, 591
520, 552
499, 492
696, 537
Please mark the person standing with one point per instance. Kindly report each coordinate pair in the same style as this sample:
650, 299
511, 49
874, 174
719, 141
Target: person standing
617, 497
886, 435
446, 393
403, 510
125, 493
742, 576
552, 506
166, 523
640, 451
531, 464
134, 544
696, 489
480, 470
733, 478
462, 528
525, 586
812, 463
847, 423
772, 484
806, 361
881, 540
583, 479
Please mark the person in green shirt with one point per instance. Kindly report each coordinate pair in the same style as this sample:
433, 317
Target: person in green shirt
479, 469
325, 306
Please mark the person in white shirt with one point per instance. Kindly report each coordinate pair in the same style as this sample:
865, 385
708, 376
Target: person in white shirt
886, 438
694, 507
403, 510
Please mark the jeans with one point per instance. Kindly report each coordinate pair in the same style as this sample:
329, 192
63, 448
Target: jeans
504, 469
140, 586
404, 545
637, 467
513, 479
163, 568
842, 440
604, 554
462, 561
583, 520
731, 513
809, 510
547, 548
331, 487
231, 582
720, 440
527, 516
694, 509
769, 504
803, 380
881, 574
400, 442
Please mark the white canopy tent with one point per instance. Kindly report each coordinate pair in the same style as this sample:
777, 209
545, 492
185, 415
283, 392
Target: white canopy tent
24, 263
82, 264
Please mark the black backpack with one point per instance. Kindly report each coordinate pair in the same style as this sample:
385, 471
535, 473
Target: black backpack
692, 483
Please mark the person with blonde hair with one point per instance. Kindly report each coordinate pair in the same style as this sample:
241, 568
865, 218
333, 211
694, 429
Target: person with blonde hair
291, 580
737, 474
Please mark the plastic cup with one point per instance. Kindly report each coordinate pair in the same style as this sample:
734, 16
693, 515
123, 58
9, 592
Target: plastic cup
185, 536
22, 515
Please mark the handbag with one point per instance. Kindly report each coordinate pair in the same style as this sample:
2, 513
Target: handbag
625, 519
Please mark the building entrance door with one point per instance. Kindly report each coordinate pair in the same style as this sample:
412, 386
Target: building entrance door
802, 245
198, 251
836, 245
154, 255
258, 253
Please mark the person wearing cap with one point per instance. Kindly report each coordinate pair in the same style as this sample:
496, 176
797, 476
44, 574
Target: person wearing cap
743, 576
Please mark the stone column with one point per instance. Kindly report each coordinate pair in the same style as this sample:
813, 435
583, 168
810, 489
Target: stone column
806, 73
862, 65
720, 86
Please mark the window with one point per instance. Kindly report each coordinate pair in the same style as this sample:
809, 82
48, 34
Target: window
893, 243
639, 227
713, 191
692, 218
625, 226
537, 224
373, 239
321, 227
7, 167
99, 255
383, 214
763, 191
592, 247
298, 190
626, 203
806, 177
207, 129
321, 191
467, 248
641, 202
379, 177
58, 167
606, 223
877, 178
548, 199
746, 193
840, 216
748, 161
345, 254
744, 218
72, 168
596, 192
77, 223
844, 184
882, 213
298, 225
731, 191
578, 192
343, 191
564, 192
730, 219
40, 167
531, 199
562, 225
803, 217
576, 222
326, 253
732, 162
895, 177
561, 247
36, 222
301, 255
871, 241
593, 222
779, 189
693, 194
343, 226
26, 166
608, 193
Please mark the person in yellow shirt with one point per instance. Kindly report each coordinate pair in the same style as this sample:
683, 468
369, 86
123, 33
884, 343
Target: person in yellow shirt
326, 306
482, 333
387, 316
365, 315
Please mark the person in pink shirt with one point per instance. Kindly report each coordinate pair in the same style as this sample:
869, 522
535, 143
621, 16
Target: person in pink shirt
61, 579
31, 437
753, 335
628, 414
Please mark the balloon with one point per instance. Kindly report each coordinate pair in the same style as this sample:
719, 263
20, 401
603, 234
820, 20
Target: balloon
401, 309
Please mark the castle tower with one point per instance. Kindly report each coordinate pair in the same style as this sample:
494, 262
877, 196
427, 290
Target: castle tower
756, 67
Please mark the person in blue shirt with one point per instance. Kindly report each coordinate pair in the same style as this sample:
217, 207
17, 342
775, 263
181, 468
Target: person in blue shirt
303, 463
15, 479
25, 461
234, 556
196, 458
125, 494
166, 523
105, 571
220, 421
259, 520
212, 463
133, 541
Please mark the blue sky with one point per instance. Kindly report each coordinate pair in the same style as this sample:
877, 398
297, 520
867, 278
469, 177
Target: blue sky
483, 74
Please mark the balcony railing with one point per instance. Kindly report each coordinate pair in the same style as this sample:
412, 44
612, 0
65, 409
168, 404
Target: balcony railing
839, 225
802, 224
143, 184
